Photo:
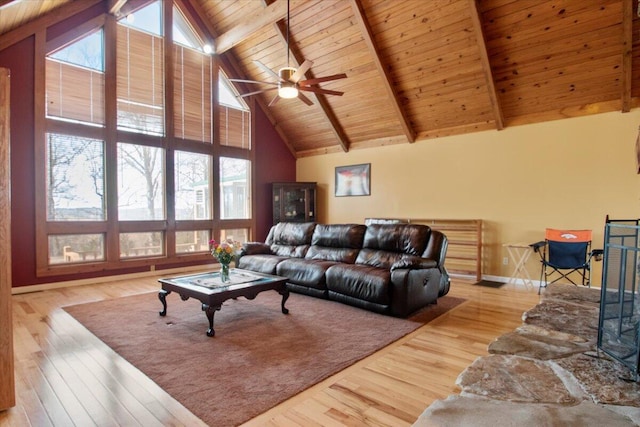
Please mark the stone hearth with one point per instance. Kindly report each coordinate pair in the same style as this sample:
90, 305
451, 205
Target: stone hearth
547, 372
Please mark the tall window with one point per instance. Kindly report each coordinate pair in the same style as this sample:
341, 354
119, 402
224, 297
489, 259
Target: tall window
75, 81
141, 71
192, 83
75, 178
120, 191
140, 182
235, 116
234, 188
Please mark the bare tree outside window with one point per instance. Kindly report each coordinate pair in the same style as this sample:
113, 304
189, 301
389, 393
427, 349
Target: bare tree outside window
140, 182
75, 178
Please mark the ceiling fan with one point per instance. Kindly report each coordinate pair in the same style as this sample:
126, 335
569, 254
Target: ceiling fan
288, 80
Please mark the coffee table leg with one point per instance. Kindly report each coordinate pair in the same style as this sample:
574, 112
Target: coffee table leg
285, 295
210, 311
162, 295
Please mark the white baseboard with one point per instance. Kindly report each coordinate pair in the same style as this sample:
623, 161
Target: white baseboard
106, 279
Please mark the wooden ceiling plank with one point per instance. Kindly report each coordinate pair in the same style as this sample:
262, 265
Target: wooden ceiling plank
326, 109
486, 64
367, 34
56, 15
627, 54
267, 16
557, 29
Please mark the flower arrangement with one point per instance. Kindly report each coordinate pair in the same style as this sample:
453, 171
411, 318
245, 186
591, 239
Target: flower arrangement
224, 252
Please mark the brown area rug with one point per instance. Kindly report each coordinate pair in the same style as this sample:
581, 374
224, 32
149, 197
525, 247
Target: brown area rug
259, 356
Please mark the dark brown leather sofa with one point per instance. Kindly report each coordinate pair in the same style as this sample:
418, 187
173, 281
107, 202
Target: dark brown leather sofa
387, 268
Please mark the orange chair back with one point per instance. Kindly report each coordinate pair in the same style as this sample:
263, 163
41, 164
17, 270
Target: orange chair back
568, 236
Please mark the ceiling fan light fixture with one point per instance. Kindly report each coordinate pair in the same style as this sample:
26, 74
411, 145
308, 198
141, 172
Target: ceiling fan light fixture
287, 89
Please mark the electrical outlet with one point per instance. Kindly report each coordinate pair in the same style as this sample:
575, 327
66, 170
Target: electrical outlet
505, 261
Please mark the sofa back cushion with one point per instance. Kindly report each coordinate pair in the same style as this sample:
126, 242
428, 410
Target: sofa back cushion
336, 242
290, 239
385, 244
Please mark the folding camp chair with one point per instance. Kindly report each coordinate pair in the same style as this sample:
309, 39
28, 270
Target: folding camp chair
564, 252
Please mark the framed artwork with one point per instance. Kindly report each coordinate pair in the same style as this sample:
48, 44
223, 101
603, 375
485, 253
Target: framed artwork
353, 180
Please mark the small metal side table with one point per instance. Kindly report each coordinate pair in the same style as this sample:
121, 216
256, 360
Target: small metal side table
519, 254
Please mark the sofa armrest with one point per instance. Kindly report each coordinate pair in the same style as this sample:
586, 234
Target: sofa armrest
254, 248
412, 289
413, 263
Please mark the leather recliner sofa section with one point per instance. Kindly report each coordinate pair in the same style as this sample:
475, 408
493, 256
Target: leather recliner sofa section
387, 268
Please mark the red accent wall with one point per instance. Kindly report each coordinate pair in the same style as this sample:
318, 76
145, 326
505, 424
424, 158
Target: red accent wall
19, 60
274, 162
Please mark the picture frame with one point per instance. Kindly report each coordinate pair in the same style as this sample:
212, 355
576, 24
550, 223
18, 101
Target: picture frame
353, 180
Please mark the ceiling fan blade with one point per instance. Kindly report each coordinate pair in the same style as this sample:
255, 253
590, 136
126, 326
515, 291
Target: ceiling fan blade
267, 69
252, 81
322, 79
323, 91
257, 91
301, 70
275, 100
304, 99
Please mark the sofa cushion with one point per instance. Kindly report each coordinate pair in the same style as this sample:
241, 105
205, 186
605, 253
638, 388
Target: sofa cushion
260, 263
305, 272
363, 282
291, 234
289, 239
377, 258
336, 242
410, 239
339, 235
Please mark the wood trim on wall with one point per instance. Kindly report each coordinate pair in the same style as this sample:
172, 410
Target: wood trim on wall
7, 381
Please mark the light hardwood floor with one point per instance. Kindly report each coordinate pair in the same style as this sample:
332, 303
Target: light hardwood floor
65, 376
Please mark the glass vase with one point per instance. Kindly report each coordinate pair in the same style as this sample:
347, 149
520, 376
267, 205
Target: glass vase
224, 273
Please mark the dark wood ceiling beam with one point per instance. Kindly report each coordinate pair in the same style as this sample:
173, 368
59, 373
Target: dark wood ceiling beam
627, 54
233, 62
56, 15
5, 2
262, 18
321, 100
367, 35
486, 65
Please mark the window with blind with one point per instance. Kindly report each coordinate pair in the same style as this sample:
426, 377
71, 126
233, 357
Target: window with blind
140, 59
75, 81
235, 116
118, 191
192, 83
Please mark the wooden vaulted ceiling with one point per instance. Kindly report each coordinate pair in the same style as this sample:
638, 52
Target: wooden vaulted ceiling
419, 69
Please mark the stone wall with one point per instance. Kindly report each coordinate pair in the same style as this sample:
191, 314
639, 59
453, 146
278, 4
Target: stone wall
547, 372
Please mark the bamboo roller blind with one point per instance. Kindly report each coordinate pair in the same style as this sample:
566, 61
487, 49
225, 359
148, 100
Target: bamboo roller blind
74, 92
77, 93
192, 94
140, 69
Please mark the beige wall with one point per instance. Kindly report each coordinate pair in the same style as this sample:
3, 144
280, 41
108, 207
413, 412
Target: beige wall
563, 174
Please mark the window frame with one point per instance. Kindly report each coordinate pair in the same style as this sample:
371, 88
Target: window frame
112, 227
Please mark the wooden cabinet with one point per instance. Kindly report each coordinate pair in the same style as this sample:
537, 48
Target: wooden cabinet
294, 202
7, 382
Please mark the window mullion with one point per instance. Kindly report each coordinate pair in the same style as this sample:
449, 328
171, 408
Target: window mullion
111, 123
